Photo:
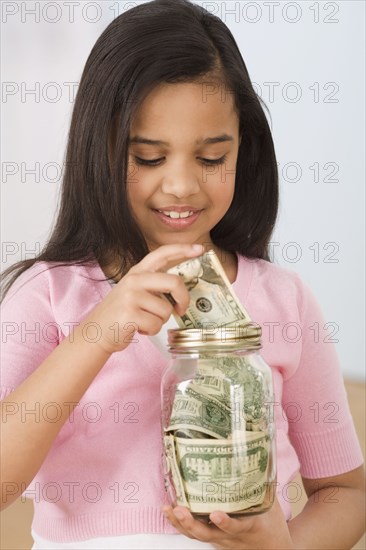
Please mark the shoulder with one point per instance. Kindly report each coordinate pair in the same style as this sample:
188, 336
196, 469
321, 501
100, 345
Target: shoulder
54, 283
32, 279
42, 274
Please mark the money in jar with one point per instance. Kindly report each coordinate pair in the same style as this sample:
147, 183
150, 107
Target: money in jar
217, 421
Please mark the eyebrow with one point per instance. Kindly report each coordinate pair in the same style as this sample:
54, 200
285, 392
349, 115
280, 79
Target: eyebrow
216, 139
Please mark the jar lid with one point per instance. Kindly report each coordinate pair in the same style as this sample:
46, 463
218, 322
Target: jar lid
240, 336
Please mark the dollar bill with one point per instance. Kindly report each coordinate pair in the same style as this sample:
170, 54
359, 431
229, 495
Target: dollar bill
172, 471
201, 412
213, 301
217, 474
235, 381
222, 398
191, 434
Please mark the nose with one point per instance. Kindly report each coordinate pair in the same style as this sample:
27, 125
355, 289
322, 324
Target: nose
180, 182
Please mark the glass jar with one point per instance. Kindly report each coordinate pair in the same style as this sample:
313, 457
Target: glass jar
217, 422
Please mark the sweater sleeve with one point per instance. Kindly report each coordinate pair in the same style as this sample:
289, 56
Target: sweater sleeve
28, 329
321, 427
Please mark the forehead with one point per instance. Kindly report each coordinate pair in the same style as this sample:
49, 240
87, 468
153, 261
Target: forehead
206, 106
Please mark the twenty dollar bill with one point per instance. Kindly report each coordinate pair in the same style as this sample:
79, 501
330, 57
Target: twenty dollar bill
216, 474
213, 300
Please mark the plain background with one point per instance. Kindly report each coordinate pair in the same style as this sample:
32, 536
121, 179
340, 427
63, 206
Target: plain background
305, 59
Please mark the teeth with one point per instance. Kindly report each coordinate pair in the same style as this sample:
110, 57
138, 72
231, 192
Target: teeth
176, 215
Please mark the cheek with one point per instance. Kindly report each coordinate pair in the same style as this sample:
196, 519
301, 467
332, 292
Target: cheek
223, 180
135, 177
223, 188
135, 198
137, 186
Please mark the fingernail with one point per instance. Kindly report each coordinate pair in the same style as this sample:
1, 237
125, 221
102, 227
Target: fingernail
178, 514
197, 248
216, 519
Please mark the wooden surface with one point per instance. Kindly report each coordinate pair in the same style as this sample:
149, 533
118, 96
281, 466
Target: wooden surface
15, 521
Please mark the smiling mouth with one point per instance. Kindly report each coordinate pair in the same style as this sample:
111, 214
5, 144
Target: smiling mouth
177, 221
178, 215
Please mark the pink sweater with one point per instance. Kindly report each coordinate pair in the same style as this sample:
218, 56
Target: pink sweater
103, 473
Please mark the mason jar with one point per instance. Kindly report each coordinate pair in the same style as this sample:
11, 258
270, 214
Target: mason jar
217, 422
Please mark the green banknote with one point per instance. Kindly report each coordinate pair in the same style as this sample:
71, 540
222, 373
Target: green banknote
226, 395
200, 412
219, 474
213, 301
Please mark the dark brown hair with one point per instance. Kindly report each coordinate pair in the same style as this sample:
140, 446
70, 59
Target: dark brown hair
159, 41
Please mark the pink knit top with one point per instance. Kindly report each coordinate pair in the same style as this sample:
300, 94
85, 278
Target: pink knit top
103, 474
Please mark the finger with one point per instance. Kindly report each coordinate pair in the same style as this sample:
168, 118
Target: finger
168, 513
166, 283
154, 304
229, 525
167, 256
195, 528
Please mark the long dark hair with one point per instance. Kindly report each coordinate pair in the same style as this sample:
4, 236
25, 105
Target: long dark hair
159, 41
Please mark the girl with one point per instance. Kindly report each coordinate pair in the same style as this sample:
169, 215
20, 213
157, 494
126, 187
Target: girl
166, 125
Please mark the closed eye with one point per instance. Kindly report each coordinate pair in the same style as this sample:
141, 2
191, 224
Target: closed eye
144, 162
221, 160
156, 162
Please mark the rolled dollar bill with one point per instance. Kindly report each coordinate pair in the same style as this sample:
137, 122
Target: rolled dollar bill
224, 397
213, 300
172, 469
199, 411
191, 434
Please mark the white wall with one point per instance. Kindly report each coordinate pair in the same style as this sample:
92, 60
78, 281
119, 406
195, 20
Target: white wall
307, 62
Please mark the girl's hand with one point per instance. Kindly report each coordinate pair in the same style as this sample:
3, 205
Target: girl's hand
136, 303
267, 531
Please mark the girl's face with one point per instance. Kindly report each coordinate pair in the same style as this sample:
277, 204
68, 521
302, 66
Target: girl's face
183, 150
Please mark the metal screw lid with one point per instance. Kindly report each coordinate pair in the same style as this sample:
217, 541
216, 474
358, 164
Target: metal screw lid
245, 336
